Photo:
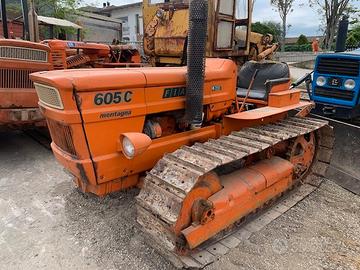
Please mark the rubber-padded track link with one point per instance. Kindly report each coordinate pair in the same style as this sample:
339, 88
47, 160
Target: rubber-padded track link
166, 185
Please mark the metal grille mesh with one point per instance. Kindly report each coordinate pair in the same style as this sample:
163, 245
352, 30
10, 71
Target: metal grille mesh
15, 78
338, 66
198, 17
77, 60
58, 59
62, 136
49, 96
19, 53
335, 93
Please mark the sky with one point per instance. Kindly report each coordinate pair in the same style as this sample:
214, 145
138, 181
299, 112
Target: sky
303, 20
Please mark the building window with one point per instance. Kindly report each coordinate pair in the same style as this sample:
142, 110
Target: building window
124, 19
158, 1
137, 24
167, 1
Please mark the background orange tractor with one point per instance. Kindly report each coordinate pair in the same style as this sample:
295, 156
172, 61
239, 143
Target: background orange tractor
166, 32
18, 99
211, 158
77, 54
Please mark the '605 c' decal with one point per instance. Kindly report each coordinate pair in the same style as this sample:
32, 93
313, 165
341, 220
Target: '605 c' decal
112, 98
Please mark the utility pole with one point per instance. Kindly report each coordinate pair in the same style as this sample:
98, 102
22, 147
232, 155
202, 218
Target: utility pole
4, 18
33, 23
25, 12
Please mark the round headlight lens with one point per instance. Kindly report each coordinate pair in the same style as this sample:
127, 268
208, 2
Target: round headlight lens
321, 81
128, 148
349, 84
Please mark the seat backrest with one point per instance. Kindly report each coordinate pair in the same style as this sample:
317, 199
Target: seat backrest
268, 70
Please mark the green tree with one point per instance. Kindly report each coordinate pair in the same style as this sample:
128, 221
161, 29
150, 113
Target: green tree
284, 8
331, 12
52, 8
353, 38
268, 27
56, 8
302, 40
13, 10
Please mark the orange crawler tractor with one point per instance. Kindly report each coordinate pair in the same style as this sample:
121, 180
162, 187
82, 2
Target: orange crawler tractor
216, 145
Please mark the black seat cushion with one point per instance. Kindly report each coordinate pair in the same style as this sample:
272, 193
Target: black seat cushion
254, 94
268, 70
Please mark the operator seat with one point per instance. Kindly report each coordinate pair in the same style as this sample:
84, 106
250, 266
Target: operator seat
269, 74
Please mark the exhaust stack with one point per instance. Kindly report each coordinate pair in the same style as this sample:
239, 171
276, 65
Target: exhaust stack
198, 17
4, 18
342, 34
25, 13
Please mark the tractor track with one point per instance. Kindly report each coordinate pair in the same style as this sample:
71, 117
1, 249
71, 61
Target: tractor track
168, 183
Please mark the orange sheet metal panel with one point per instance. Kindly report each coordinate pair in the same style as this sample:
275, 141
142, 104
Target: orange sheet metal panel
284, 98
107, 165
281, 87
266, 112
18, 98
242, 194
112, 168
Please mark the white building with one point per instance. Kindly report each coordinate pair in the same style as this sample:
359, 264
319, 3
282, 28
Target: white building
131, 17
99, 28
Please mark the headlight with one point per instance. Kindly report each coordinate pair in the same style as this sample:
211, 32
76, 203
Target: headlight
349, 84
128, 148
133, 144
321, 81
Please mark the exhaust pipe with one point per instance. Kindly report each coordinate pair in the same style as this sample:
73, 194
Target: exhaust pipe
342, 34
4, 18
25, 12
198, 17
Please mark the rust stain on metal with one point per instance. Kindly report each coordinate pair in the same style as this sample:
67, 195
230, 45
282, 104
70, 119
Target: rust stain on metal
83, 176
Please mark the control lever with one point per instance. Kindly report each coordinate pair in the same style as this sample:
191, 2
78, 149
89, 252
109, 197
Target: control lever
307, 79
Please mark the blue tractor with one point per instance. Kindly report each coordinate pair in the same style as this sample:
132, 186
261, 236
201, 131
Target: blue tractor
336, 85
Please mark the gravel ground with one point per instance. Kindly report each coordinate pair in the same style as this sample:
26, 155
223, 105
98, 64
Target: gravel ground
46, 224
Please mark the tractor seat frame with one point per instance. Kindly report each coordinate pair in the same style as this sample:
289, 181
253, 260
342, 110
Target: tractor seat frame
263, 94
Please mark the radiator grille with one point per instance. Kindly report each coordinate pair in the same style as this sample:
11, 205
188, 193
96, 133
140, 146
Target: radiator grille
338, 66
20, 53
58, 59
62, 136
49, 96
335, 93
15, 78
